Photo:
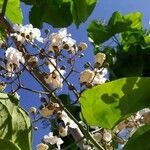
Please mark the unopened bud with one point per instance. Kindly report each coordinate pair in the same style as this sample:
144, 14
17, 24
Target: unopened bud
100, 58
82, 46
63, 131
33, 110
46, 112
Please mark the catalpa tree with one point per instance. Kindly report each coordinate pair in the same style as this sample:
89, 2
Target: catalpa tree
99, 105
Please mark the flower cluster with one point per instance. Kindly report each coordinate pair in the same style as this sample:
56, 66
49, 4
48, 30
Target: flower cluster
26, 33
98, 75
14, 58
62, 40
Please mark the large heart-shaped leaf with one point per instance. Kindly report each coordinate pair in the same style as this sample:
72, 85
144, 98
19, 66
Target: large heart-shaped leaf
107, 104
15, 123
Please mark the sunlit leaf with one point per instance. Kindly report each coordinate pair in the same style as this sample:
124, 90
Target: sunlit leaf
13, 11
107, 104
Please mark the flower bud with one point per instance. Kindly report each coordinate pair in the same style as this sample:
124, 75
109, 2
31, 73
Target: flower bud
86, 76
32, 61
82, 46
42, 146
46, 112
98, 137
2, 86
63, 131
100, 58
33, 110
107, 136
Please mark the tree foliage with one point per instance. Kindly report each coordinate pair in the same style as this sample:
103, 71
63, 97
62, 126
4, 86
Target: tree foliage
100, 104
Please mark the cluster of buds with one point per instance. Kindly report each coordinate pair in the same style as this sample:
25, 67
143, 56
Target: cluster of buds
98, 75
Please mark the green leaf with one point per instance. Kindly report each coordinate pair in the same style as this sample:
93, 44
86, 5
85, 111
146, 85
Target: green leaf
117, 24
81, 10
140, 139
107, 104
8, 145
13, 11
58, 15
15, 124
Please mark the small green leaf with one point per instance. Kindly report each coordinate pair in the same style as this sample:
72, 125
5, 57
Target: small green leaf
117, 24
13, 11
107, 104
139, 140
15, 124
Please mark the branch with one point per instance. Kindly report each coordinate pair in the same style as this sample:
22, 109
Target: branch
4, 7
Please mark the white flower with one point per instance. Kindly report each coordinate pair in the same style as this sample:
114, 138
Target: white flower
100, 58
53, 140
13, 56
55, 79
42, 146
67, 121
70, 44
62, 40
27, 32
56, 39
101, 76
86, 76
98, 76
107, 136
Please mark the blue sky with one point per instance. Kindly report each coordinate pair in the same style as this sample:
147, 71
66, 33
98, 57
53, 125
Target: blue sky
103, 11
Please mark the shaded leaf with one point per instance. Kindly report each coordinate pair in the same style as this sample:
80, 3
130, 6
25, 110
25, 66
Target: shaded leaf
58, 15
139, 140
8, 145
74, 109
81, 10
